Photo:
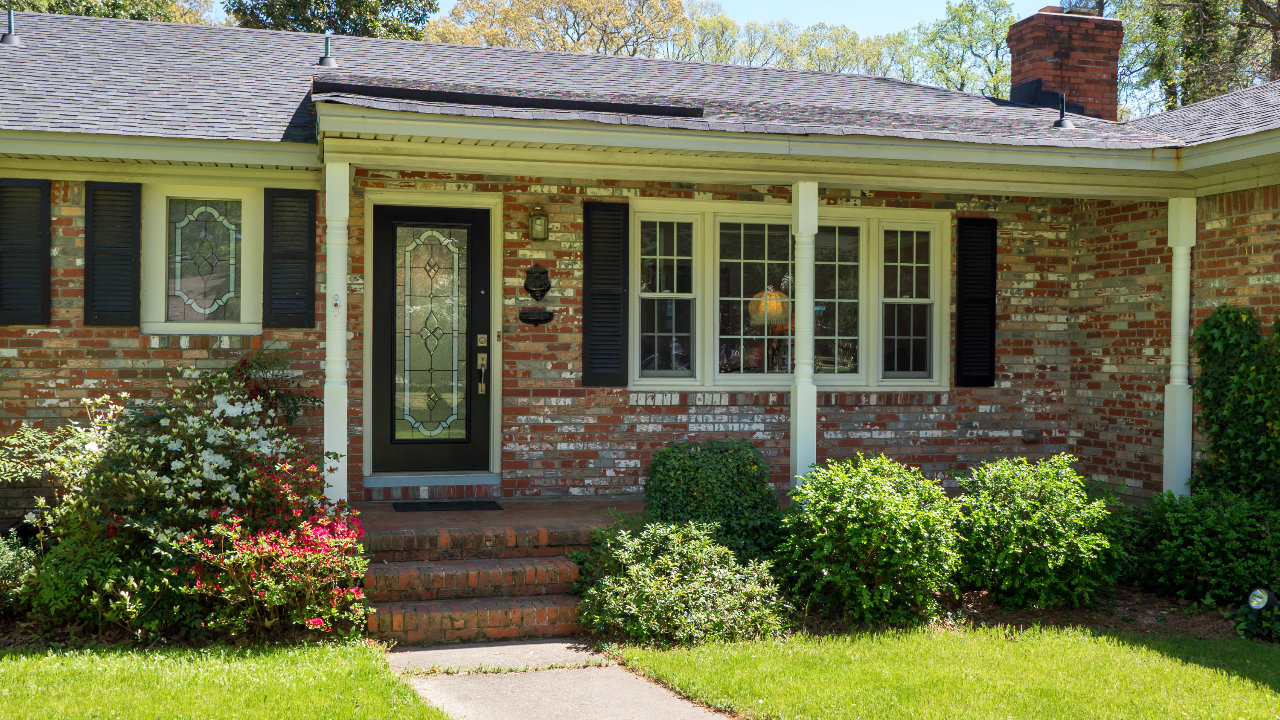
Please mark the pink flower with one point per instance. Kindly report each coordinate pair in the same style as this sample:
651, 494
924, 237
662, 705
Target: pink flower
315, 623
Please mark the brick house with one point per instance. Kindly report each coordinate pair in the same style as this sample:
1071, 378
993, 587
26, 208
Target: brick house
516, 273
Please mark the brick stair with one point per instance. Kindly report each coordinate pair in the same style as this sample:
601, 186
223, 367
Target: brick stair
441, 585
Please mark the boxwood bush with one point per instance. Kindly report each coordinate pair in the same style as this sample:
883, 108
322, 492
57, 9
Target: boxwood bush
675, 584
871, 540
1210, 548
722, 482
1031, 535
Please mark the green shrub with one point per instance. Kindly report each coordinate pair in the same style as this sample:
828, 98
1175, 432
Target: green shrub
1030, 534
1258, 624
17, 564
676, 584
722, 482
871, 540
1238, 394
1209, 548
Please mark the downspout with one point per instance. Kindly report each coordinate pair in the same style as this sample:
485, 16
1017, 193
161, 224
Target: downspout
804, 394
1178, 401
337, 208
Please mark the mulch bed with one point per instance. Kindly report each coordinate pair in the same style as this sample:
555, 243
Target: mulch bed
1130, 611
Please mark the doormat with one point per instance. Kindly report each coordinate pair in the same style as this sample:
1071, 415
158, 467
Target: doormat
431, 505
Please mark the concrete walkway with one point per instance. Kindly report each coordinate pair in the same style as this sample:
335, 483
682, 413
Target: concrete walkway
545, 679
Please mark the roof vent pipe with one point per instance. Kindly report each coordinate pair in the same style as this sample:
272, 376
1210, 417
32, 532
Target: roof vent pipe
1063, 122
11, 37
327, 60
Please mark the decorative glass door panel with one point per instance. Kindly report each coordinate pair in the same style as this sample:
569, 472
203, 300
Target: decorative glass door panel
430, 385
430, 374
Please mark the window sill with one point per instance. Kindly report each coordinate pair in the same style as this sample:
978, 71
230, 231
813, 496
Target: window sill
177, 328
782, 383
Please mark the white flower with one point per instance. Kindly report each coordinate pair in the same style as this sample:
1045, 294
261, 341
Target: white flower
29, 518
175, 444
177, 465
164, 422
92, 447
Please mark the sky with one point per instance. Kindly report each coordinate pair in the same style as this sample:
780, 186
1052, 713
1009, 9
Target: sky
866, 17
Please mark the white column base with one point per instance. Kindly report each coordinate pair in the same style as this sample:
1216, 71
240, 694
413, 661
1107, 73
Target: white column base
804, 429
1178, 405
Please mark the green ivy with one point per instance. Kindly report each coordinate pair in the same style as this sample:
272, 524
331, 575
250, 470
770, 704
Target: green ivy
722, 482
1238, 392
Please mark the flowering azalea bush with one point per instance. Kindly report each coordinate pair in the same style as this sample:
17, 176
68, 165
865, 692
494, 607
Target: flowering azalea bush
152, 490
263, 581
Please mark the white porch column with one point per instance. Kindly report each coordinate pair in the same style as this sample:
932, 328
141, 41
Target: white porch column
1178, 403
337, 204
804, 395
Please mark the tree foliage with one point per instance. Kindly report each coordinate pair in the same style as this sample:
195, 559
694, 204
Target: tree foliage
966, 50
608, 27
182, 11
403, 19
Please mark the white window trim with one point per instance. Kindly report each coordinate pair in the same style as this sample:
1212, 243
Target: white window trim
706, 216
155, 241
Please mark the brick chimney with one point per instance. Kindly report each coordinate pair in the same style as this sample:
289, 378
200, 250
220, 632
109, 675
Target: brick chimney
1067, 51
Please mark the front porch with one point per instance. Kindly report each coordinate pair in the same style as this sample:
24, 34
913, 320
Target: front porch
469, 575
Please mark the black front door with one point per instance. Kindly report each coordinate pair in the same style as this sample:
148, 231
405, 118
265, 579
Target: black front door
431, 375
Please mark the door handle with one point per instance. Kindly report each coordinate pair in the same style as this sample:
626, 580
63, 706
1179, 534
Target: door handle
482, 364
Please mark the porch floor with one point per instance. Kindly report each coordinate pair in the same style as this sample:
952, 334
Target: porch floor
516, 514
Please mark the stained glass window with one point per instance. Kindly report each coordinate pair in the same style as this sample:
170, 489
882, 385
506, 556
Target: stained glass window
204, 260
431, 355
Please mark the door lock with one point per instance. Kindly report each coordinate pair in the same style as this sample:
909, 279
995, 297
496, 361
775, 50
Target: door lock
482, 364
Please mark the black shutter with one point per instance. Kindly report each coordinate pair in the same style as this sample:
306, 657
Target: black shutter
24, 252
289, 259
975, 302
604, 294
112, 253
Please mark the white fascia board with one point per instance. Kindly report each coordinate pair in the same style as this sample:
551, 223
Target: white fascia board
1253, 148
154, 149
340, 119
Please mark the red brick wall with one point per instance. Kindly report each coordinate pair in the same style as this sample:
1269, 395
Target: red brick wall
1082, 346
1074, 54
46, 372
1120, 343
559, 438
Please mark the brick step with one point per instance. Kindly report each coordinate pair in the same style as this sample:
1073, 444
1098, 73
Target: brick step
454, 544
419, 581
475, 619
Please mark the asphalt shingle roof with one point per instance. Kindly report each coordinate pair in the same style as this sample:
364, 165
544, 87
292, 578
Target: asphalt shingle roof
1239, 113
118, 77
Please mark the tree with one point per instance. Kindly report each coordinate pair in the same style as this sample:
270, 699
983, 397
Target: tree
404, 19
608, 27
183, 11
966, 49
1177, 53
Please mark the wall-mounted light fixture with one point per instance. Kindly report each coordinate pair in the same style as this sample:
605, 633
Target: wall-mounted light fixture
538, 223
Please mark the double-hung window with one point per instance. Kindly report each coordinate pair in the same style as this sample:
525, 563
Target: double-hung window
715, 299
667, 300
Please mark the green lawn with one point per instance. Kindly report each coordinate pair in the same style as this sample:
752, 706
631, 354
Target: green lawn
983, 673
315, 681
